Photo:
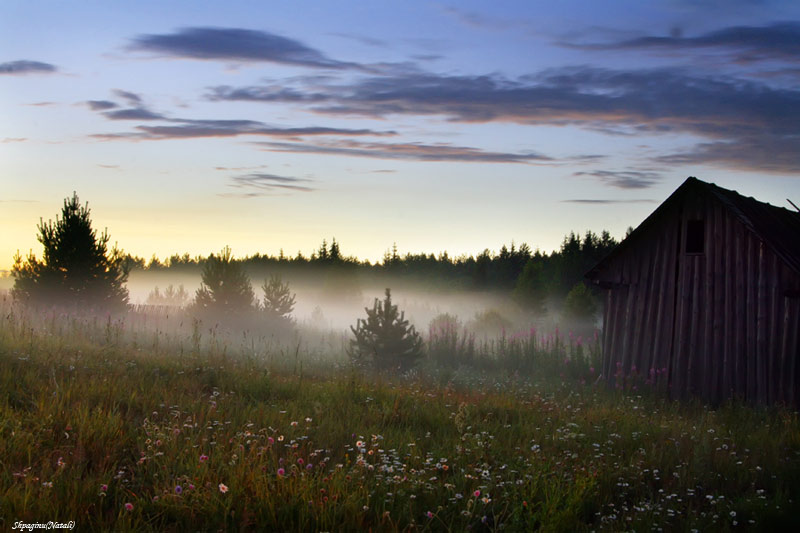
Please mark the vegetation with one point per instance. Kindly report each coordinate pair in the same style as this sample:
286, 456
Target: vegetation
278, 300
77, 269
225, 287
171, 296
538, 282
233, 435
385, 339
580, 303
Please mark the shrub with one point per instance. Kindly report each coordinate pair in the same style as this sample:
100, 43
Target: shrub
580, 303
385, 339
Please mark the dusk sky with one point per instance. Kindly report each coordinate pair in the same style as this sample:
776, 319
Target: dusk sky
455, 126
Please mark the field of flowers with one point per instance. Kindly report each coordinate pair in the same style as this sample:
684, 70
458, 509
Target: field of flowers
173, 427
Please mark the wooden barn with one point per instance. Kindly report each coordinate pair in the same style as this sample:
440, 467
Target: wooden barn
703, 298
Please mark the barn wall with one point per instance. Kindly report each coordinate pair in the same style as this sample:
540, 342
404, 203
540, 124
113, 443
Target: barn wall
721, 323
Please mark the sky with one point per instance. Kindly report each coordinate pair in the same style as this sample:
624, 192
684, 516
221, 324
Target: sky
457, 126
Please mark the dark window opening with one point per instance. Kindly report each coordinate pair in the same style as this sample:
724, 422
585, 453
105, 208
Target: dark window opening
695, 236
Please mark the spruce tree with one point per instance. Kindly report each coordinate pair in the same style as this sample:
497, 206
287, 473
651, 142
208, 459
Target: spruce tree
278, 300
77, 268
385, 339
225, 286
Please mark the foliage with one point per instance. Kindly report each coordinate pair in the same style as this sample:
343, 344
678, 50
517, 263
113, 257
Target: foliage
225, 286
448, 343
531, 289
278, 300
77, 268
580, 304
171, 296
489, 322
239, 444
385, 339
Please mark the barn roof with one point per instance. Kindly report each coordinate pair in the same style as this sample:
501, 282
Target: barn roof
779, 228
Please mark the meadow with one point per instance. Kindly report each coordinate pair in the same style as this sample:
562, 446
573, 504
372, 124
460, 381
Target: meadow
154, 421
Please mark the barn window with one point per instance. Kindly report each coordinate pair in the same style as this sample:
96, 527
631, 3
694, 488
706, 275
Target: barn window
695, 236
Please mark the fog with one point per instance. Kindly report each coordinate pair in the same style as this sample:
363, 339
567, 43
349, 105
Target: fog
324, 305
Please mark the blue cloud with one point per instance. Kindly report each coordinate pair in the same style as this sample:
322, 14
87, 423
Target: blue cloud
24, 66
235, 44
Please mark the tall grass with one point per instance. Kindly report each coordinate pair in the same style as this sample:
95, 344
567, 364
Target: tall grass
156, 423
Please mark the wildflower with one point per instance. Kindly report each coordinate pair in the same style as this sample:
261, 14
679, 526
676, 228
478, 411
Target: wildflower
203, 458
309, 466
178, 489
300, 461
61, 462
281, 472
294, 424
47, 484
429, 514
280, 438
271, 440
104, 488
190, 486
223, 488
477, 493
129, 506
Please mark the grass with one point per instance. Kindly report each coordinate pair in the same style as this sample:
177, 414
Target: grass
117, 424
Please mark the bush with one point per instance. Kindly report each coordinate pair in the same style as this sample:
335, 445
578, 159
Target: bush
385, 339
77, 268
580, 304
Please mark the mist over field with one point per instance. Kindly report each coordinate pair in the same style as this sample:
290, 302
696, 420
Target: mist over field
400, 266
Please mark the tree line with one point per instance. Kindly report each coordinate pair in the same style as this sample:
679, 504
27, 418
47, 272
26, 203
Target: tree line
78, 266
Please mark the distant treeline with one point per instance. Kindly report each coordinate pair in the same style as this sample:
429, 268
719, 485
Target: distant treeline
531, 276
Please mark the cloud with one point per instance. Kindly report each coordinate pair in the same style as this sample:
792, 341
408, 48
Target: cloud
779, 41
192, 129
101, 105
363, 39
132, 98
768, 153
658, 100
13, 140
405, 151
260, 184
595, 201
134, 113
234, 44
629, 179
724, 110
24, 66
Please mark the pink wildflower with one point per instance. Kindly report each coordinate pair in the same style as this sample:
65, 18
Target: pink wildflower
129, 506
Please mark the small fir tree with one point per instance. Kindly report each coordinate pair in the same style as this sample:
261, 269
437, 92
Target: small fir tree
77, 268
385, 339
278, 300
225, 286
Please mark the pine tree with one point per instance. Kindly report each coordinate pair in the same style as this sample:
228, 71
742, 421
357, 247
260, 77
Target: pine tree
385, 339
225, 286
278, 299
77, 268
